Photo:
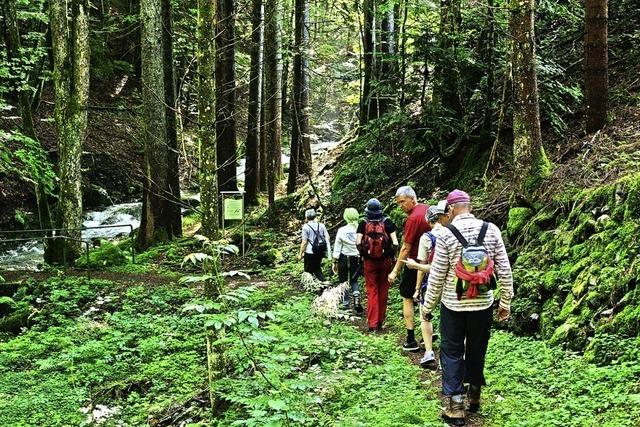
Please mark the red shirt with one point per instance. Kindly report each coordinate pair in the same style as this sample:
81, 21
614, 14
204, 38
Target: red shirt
415, 226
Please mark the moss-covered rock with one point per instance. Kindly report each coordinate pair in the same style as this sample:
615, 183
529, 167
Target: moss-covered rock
518, 218
106, 255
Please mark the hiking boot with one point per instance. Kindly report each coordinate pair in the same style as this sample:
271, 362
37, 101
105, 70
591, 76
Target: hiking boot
473, 394
428, 361
410, 345
453, 412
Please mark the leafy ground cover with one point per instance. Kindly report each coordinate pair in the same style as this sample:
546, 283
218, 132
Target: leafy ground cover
127, 353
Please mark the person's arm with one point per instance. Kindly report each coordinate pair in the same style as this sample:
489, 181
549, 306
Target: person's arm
328, 240
303, 248
337, 246
505, 276
397, 268
303, 244
437, 275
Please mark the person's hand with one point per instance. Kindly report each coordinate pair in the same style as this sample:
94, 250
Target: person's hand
412, 264
503, 314
300, 256
416, 295
334, 268
392, 276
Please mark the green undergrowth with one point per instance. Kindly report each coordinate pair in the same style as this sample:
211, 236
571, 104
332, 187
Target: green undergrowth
577, 272
533, 384
95, 342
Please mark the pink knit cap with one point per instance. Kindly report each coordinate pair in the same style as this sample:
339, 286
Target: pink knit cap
458, 196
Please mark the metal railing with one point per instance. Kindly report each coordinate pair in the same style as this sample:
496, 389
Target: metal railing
51, 233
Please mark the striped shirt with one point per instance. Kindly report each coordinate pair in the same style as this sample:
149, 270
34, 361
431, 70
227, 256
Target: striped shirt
442, 275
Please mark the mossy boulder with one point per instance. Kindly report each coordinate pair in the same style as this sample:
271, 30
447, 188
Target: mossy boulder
570, 335
270, 257
106, 255
518, 218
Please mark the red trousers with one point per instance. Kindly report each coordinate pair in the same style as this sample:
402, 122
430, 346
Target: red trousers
376, 272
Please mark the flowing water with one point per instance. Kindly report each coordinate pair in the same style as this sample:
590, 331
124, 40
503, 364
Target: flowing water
29, 255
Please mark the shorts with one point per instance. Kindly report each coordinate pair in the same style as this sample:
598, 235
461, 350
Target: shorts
408, 283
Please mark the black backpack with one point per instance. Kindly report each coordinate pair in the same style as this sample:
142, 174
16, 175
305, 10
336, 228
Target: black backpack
319, 245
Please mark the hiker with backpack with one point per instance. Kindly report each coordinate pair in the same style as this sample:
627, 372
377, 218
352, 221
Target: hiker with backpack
346, 259
470, 258
414, 227
377, 242
438, 219
315, 245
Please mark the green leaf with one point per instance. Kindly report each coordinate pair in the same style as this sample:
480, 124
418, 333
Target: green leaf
278, 405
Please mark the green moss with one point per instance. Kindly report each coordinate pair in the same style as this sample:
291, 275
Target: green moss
570, 335
518, 218
106, 255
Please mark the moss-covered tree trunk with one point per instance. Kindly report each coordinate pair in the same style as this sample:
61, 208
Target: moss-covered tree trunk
207, 119
252, 169
531, 163
225, 76
155, 224
21, 95
273, 87
300, 162
174, 211
69, 22
596, 83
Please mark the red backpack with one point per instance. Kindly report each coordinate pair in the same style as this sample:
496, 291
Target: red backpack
375, 239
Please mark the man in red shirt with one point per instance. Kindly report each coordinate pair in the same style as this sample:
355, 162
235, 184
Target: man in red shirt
415, 226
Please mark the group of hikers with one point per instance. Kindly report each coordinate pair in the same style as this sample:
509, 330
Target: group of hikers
447, 256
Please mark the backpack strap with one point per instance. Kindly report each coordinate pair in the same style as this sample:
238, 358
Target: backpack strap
458, 235
483, 232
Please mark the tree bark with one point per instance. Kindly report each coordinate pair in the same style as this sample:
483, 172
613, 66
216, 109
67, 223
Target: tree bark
207, 119
368, 109
273, 88
489, 92
596, 85
174, 211
300, 142
263, 133
226, 95
388, 68
446, 78
70, 42
252, 164
155, 225
529, 156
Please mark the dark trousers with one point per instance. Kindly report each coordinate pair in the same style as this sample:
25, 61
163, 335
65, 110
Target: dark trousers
377, 283
348, 271
313, 265
464, 335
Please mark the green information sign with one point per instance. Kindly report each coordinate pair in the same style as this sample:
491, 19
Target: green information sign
232, 209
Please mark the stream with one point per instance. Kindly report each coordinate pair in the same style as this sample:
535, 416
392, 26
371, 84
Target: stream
30, 255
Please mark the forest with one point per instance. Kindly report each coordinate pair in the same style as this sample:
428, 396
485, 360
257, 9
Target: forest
177, 178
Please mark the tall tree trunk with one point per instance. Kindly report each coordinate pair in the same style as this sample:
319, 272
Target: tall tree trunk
263, 132
207, 119
155, 225
387, 75
13, 47
70, 41
489, 46
446, 78
252, 164
300, 141
596, 84
174, 211
273, 87
226, 95
368, 108
529, 156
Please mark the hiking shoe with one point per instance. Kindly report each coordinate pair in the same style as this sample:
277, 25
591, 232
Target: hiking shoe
410, 346
453, 412
428, 361
473, 394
